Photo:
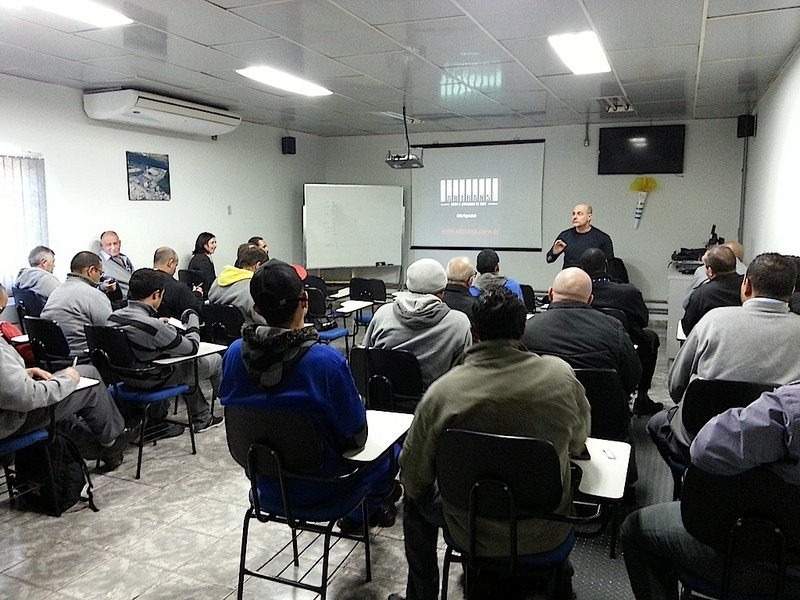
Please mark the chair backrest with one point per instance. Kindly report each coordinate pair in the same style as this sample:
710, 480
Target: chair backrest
367, 289
529, 297
387, 379
223, 323
254, 433
33, 303
706, 398
617, 269
610, 412
314, 281
480, 472
191, 277
316, 303
756, 505
618, 314
47, 340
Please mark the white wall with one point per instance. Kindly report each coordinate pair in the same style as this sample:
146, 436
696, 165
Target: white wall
679, 213
87, 186
772, 208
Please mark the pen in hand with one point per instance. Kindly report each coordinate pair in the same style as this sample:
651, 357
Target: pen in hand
74, 362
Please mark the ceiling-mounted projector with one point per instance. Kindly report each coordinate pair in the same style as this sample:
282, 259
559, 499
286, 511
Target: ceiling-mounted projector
404, 159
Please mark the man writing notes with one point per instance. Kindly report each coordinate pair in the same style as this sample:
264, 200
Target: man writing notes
573, 242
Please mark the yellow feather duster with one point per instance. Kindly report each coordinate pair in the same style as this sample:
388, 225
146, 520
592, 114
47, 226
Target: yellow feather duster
644, 184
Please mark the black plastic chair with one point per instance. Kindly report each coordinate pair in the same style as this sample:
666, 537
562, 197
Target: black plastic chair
286, 449
611, 415
387, 379
324, 321
134, 386
14, 443
369, 290
191, 277
618, 314
314, 281
27, 303
222, 323
750, 516
703, 400
50, 346
509, 479
528, 297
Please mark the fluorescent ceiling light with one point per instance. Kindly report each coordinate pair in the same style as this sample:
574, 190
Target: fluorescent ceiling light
581, 52
84, 11
283, 81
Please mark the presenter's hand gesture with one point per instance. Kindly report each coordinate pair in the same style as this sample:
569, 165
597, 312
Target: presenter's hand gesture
558, 246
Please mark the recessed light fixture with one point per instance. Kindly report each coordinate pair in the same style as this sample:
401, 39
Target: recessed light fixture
398, 117
581, 52
84, 11
284, 81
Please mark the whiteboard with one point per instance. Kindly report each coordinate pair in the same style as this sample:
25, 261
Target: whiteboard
352, 225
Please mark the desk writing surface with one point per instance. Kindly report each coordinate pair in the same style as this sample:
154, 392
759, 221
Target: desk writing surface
204, 349
86, 382
604, 474
351, 306
384, 429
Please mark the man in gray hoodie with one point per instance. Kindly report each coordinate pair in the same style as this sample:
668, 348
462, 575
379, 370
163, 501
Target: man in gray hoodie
421, 323
39, 278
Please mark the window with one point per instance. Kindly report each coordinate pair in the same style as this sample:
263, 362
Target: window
24, 212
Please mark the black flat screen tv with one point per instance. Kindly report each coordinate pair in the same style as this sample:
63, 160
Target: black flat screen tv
641, 150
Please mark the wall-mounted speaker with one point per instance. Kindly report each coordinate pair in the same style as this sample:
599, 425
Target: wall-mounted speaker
289, 145
746, 126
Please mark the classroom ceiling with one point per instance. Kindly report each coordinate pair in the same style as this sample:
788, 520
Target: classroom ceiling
457, 64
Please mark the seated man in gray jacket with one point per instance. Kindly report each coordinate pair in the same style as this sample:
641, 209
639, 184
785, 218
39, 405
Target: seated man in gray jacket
38, 277
88, 416
78, 302
153, 338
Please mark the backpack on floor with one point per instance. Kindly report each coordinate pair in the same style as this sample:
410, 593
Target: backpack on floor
72, 481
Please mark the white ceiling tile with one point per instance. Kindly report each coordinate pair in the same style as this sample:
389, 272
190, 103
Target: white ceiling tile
381, 13
402, 70
722, 95
202, 22
761, 34
717, 8
319, 25
648, 24
653, 91
433, 41
582, 86
496, 78
522, 101
285, 55
647, 64
537, 55
151, 43
744, 71
524, 18
24, 34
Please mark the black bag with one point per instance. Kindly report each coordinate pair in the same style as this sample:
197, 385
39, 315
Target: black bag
72, 481
325, 324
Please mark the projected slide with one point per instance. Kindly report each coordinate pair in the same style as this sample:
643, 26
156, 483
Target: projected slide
473, 197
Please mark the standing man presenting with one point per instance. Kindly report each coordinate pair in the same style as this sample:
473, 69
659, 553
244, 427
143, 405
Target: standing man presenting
573, 242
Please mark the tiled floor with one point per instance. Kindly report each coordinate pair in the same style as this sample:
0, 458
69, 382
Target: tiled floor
176, 532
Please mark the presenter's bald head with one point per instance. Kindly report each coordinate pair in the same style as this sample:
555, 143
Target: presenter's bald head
572, 283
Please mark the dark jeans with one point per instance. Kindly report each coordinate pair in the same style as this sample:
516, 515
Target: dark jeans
668, 446
647, 350
88, 416
422, 520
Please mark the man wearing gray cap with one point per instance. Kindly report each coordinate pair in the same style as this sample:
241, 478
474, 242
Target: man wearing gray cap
421, 323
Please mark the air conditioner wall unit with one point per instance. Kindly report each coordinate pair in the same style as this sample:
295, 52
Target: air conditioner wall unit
135, 107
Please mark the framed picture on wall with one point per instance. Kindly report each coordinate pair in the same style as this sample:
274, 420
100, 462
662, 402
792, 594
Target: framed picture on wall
148, 176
